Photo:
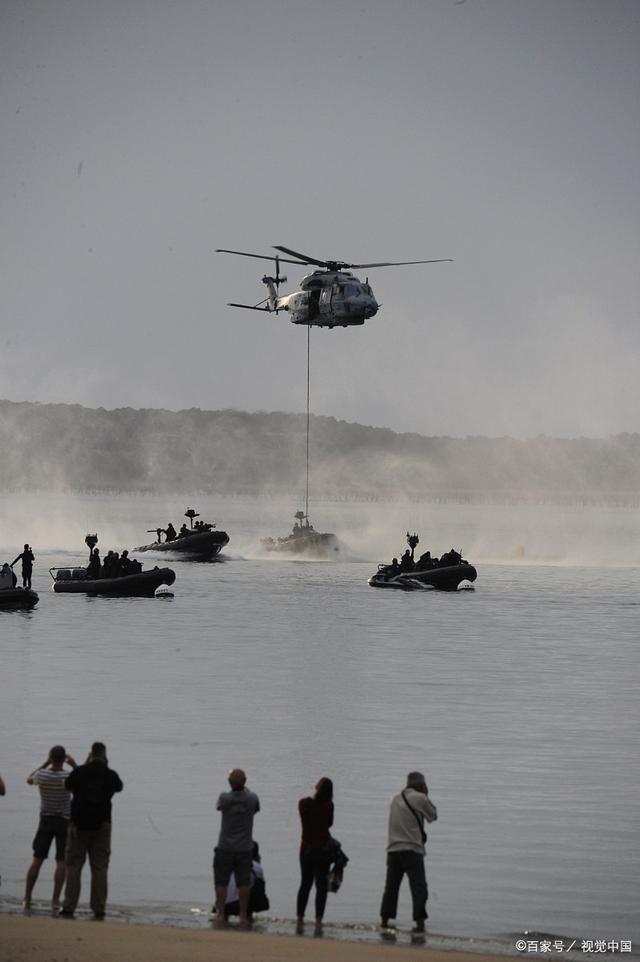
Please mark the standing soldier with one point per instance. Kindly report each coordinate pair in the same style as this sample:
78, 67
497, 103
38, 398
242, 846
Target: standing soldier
27, 559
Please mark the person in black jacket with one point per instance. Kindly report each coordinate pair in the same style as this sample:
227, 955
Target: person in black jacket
93, 786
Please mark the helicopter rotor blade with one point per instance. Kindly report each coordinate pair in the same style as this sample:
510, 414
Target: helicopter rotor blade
262, 257
440, 260
304, 259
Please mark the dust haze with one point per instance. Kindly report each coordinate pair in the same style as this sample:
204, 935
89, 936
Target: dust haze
507, 534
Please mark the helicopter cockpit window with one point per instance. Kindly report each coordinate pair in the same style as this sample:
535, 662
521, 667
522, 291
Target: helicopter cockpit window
351, 290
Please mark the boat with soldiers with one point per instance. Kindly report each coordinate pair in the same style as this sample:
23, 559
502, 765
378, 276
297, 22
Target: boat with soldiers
116, 575
198, 542
446, 573
13, 597
304, 541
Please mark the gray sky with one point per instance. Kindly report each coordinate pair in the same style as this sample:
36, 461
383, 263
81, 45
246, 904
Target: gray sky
139, 135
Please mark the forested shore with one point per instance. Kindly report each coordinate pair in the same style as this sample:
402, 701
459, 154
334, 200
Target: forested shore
228, 452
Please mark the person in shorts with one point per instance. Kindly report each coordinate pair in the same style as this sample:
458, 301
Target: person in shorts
55, 809
235, 844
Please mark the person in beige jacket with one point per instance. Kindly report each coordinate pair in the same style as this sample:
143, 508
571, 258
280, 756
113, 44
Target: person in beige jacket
405, 849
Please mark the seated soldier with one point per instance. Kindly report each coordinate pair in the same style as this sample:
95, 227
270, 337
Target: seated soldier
424, 562
393, 569
93, 568
7, 576
107, 565
406, 562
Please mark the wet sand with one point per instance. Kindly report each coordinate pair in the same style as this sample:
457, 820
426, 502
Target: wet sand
55, 940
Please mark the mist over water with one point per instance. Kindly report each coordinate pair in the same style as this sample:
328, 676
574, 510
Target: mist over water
518, 699
522, 534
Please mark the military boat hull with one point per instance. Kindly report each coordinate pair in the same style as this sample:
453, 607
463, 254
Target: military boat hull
200, 545
444, 579
143, 584
12, 598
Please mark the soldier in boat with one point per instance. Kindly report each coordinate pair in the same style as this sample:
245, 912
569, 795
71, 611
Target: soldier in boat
406, 562
93, 568
425, 562
170, 532
27, 559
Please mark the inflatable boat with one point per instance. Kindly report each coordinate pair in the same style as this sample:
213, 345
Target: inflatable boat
142, 584
444, 579
12, 598
200, 542
198, 545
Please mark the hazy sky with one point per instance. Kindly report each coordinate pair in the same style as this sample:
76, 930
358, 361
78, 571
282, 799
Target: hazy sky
139, 135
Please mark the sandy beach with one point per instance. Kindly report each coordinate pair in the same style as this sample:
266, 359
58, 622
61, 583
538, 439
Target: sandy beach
57, 940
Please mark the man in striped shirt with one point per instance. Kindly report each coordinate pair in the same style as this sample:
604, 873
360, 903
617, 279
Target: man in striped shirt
55, 806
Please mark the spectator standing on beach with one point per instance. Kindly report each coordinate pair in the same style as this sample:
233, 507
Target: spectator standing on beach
55, 806
93, 785
406, 851
235, 844
316, 816
3, 791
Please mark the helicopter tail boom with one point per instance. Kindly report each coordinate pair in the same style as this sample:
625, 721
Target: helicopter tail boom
250, 307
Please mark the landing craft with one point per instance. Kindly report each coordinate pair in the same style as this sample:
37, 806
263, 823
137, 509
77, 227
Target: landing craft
330, 297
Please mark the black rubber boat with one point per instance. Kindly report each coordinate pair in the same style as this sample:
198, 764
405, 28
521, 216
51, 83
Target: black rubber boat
446, 573
201, 543
13, 598
444, 579
142, 584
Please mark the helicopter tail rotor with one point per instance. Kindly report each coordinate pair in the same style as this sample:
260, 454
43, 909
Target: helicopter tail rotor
273, 285
279, 279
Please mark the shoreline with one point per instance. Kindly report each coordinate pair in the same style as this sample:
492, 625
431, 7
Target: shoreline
25, 937
185, 918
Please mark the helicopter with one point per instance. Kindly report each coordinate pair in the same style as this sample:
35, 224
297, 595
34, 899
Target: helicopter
329, 297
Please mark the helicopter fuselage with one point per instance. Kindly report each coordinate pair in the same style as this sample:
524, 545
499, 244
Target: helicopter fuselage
327, 299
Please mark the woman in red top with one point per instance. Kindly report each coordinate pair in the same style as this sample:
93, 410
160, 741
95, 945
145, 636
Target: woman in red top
316, 815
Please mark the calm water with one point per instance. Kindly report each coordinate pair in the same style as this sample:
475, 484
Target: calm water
519, 700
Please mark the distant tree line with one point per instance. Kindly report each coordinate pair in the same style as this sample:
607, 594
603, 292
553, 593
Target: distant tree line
69, 447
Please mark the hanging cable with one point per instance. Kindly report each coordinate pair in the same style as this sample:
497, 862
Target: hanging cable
306, 499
